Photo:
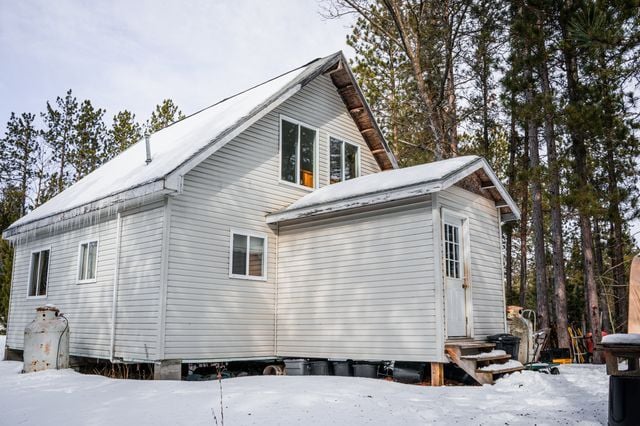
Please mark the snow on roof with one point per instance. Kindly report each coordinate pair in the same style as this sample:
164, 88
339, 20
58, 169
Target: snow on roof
171, 147
622, 339
387, 186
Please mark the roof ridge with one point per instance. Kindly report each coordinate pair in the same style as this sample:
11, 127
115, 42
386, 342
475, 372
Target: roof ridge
241, 92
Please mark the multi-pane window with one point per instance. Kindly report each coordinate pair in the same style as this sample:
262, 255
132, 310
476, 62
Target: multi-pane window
39, 273
248, 256
343, 160
298, 154
452, 250
87, 261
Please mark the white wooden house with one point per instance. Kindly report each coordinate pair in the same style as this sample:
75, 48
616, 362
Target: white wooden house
274, 223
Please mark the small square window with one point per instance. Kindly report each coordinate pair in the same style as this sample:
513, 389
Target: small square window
39, 276
248, 256
344, 160
87, 261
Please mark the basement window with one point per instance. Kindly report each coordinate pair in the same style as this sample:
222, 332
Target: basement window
39, 273
344, 160
248, 256
87, 261
298, 156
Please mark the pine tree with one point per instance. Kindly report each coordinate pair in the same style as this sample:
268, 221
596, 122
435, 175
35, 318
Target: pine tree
91, 143
60, 134
164, 115
124, 132
18, 153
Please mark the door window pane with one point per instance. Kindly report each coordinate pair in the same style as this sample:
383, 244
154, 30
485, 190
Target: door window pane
452, 251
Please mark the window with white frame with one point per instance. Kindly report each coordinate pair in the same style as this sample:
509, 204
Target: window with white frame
248, 255
344, 160
39, 275
87, 261
452, 250
298, 162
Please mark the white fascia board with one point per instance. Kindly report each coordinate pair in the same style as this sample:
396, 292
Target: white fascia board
173, 180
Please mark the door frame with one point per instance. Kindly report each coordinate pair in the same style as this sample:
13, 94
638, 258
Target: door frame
465, 241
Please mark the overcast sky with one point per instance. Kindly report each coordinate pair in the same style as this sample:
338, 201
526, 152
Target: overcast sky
132, 54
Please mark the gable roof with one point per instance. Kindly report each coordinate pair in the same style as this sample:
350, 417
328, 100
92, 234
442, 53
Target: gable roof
394, 185
181, 146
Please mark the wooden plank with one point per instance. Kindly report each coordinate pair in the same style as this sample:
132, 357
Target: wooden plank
634, 296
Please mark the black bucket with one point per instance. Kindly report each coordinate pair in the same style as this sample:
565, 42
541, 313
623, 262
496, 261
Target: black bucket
408, 372
624, 409
507, 342
296, 367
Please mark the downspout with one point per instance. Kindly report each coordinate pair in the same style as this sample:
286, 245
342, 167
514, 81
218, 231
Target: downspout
503, 253
116, 273
11, 291
275, 307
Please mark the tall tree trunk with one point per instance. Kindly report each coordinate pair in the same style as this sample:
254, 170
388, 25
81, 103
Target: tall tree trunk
559, 276
603, 292
537, 222
523, 226
579, 150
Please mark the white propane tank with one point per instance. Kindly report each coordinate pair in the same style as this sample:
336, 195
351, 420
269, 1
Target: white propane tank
46, 341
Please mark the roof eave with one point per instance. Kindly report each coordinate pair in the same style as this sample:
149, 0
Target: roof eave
145, 193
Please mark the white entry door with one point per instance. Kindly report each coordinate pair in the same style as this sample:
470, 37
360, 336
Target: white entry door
454, 276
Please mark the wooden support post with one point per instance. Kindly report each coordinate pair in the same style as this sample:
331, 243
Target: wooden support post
437, 374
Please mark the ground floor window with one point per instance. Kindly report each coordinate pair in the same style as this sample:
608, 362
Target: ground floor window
39, 274
87, 261
248, 255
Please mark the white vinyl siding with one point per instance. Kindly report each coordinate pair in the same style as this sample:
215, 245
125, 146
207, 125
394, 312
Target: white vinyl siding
137, 313
209, 314
486, 274
360, 287
88, 306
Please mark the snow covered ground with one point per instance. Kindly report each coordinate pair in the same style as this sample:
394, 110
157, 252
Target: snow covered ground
577, 396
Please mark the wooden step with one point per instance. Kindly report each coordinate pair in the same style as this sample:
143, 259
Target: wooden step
493, 358
470, 344
503, 371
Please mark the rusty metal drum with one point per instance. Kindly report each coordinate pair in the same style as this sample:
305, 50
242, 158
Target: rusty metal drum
46, 341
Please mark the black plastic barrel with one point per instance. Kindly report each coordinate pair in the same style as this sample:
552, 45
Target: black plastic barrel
319, 368
405, 372
342, 368
623, 401
365, 370
296, 367
507, 342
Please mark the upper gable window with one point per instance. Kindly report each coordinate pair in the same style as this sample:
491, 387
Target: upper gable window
39, 275
344, 160
87, 261
298, 159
